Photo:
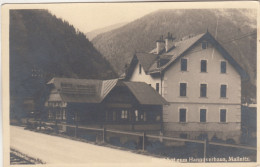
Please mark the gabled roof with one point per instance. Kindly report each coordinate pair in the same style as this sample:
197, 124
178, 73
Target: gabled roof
95, 91
179, 50
146, 60
81, 90
175, 52
145, 94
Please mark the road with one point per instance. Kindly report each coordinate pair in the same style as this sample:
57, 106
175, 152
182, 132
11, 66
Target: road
58, 150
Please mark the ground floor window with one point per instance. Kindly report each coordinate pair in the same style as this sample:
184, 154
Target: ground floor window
136, 115
124, 114
223, 115
203, 115
51, 114
64, 114
182, 117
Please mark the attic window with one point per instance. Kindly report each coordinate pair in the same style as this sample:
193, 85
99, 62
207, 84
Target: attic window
204, 45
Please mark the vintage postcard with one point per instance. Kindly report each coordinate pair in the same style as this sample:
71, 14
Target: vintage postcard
130, 84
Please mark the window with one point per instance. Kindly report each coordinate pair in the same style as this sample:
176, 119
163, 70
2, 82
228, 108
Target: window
203, 66
182, 115
136, 115
157, 87
124, 114
114, 115
64, 114
223, 91
183, 64
183, 87
203, 90
223, 67
203, 113
150, 84
204, 45
223, 115
140, 69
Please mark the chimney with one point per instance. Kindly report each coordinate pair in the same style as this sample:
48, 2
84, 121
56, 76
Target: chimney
169, 42
160, 45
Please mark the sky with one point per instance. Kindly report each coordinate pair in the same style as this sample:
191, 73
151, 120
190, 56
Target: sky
91, 16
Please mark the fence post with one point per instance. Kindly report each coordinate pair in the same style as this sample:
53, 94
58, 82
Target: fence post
143, 141
104, 135
76, 123
205, 150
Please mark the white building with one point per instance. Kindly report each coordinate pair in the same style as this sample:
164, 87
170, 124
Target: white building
200, 80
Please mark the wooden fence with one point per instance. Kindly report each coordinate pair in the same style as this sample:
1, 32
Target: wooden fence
144, 136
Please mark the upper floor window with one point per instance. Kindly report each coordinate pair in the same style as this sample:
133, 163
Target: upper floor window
183, 64
223, 91
204, 45
183, 87
203, 90
223, 67
203, 65
140, 69
157, 87
203, 113
223, 115
182, 117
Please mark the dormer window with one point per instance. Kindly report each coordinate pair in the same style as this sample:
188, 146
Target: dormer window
204, 45
140, 69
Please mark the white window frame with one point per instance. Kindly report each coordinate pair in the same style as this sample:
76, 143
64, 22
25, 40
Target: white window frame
206, 65
203, 107
179, 111
223, 108
180, 89
206, 90
226, 91
226, 66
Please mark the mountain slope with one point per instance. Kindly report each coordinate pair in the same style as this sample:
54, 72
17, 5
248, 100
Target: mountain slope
41, 47
92, 34
119, 45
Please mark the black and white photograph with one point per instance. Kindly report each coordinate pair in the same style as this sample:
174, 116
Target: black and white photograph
151, 83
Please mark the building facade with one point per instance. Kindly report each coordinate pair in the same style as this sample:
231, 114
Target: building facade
201, 82
112, 104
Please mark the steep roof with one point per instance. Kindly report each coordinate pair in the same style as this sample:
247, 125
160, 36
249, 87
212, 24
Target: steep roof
179, 50
175, 52
94, 91
146, 60
81, 90
145, 94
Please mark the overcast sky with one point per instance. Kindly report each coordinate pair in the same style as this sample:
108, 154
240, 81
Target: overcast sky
90, 16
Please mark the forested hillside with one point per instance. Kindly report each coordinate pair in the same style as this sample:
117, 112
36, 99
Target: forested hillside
41, 47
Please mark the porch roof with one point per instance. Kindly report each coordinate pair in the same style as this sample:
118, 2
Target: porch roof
145, 94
